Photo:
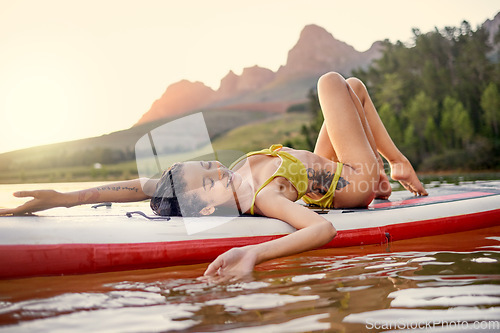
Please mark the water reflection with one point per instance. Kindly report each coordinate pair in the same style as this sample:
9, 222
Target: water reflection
436, 279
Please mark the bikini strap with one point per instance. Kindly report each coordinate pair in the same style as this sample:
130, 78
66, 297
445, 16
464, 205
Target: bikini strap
336, 177
274, 150
260, 188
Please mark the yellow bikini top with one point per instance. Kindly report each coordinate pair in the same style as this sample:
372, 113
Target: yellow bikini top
291, 168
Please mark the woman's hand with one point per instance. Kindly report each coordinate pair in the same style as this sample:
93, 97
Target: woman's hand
42, 199
233, 264
313, 231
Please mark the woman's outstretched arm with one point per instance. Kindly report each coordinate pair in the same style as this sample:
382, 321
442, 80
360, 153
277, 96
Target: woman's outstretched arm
313, 232
125, 191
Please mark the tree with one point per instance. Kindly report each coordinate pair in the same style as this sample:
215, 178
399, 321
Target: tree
490, 103
411, 144
455, 123
473, 69
391, 122
420, 109
390, 92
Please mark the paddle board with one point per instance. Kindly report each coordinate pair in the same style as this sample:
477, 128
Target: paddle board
83, 239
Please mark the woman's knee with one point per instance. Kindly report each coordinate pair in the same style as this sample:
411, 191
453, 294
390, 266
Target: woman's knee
357, 86
331, 80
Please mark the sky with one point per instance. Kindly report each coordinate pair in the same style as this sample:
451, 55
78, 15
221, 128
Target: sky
75, 69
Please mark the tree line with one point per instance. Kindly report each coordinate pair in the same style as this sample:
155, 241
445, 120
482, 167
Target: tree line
439, 98
50, 158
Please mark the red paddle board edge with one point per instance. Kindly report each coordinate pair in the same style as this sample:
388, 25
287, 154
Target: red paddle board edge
38, 260
417, 201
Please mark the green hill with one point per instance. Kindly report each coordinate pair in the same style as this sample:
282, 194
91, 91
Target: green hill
112, 156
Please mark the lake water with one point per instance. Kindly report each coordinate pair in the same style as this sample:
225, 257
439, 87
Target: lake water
440, 283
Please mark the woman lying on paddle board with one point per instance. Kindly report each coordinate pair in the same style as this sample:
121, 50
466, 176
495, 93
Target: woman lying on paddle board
344, 171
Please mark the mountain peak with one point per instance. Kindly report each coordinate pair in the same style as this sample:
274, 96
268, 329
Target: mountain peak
315, 53
313, 30
180, 97
250, 79
319, 36
492, 27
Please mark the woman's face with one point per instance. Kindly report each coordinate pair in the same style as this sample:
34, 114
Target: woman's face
211, 181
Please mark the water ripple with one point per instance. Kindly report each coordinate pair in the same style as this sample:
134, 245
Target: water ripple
326, 290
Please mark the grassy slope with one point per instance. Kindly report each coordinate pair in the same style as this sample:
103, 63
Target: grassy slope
263, 133
242, 131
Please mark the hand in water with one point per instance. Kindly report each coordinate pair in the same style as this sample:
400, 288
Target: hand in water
233, 264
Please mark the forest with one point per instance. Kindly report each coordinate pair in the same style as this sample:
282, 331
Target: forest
438, 97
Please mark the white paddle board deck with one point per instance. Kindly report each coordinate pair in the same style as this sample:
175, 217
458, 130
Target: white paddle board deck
88, 240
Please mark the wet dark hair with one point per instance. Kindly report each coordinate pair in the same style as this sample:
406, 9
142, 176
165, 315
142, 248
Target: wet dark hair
165, 200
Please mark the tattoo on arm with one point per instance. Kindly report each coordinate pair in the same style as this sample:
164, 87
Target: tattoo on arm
322, 180
118, 188
92, 195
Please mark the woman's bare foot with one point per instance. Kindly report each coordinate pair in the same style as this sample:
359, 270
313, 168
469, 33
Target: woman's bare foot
384, 189
403, 172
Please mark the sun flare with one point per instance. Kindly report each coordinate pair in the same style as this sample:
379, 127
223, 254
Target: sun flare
37, 107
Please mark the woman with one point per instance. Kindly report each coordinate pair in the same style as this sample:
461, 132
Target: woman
345, 170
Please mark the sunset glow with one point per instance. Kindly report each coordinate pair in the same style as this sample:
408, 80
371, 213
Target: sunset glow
70, 70
37, 103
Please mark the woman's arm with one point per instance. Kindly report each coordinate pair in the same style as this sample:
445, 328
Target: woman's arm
313, 232
125, 191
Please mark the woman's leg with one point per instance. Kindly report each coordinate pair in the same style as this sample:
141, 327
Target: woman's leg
401, 169
383, 189
345, 136
375, 134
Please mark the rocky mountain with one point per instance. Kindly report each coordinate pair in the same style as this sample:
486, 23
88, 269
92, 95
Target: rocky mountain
179, 98
493, 27
257, 88
252, 78
317, 51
